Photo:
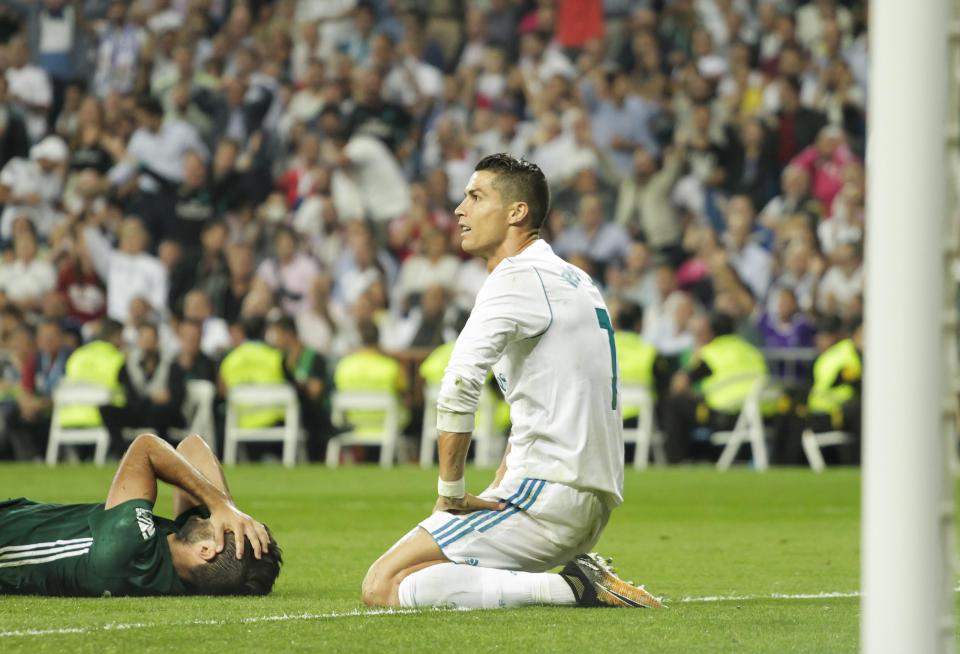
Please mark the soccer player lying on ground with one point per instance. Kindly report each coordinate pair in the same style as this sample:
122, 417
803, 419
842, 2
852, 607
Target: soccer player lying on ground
121, 548
542, 326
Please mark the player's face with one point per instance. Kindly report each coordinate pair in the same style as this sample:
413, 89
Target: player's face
482, 216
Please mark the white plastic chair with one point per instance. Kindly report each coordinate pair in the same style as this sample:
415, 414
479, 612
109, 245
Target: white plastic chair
645, 435
262, 396
78, 394
489, 444
748, 428
813, 441
198, 408
387, 438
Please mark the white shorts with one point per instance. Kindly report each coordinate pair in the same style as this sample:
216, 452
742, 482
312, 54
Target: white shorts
544, 525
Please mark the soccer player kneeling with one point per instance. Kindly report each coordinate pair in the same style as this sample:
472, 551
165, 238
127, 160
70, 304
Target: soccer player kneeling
543, 327
121, 548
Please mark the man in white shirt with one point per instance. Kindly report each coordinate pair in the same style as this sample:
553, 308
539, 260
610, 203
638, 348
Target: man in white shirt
29, 87
129, 272
542, 326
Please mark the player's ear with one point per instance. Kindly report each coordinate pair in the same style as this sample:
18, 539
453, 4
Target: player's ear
518, 212
206, 549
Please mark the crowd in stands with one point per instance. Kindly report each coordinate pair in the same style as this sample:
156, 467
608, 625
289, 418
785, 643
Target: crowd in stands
178, 177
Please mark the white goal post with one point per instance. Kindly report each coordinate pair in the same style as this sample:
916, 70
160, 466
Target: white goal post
906, 549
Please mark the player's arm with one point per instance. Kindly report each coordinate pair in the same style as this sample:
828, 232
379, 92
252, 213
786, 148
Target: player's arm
511, 306
195, 450
150, 458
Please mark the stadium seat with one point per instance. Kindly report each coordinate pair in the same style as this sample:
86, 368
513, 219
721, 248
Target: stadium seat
74, 394
387, 437
263, 396
748, 428
645, 435
489, 444
812, 442
198, 408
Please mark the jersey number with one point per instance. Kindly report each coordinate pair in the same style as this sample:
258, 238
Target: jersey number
604, 319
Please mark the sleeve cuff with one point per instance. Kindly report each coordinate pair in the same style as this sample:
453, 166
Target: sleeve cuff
461, 423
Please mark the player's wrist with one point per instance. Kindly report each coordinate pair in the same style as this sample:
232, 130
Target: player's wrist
454, 490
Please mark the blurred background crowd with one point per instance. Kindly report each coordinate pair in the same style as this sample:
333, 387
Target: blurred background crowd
179, 177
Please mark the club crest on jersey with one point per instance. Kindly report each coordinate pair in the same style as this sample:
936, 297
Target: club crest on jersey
145, 522
571, 277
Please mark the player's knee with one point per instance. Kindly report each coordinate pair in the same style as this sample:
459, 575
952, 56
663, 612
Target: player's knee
375, 590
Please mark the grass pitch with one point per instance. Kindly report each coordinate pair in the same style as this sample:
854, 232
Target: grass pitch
729, 552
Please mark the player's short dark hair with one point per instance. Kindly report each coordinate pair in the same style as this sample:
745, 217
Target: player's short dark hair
518, 180
722, 324
225, 574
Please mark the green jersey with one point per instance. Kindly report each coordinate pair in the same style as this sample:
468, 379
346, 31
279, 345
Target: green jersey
85, 549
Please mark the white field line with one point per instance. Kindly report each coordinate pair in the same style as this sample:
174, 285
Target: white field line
306, 617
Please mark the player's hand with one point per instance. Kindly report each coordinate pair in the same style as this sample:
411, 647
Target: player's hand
229, 518
466, 504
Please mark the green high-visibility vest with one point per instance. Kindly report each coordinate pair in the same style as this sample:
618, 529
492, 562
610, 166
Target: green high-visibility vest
730, 356
97, 362
636, 358
840, 359
254, 362
368, 370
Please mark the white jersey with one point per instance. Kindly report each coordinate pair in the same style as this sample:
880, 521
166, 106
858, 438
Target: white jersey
543, 327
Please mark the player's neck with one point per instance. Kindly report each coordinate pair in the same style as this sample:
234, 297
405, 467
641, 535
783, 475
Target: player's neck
178, 557
511, 247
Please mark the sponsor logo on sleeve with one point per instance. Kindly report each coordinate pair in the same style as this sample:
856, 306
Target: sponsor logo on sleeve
145, 522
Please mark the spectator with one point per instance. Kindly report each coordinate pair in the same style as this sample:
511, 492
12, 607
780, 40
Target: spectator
193, 206
797, 126
643, 201
190, 358
42, 370
253, 362
156, 385
29, 88
33, 187
14, 141
434, 266
129, 271
215, 339
793, 199
118, 54
824, 161
786, 326
289, 272
100, 362
27, 279
620, 119
78, 283
308, 370
842, 283
206, 270
368, 369
718, 364
601, 242
91, 146
751, 262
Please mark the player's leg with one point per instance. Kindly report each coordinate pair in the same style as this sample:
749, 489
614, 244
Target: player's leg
415, 573
415, 551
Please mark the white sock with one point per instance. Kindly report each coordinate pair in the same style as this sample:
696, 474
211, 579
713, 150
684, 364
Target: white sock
469, 587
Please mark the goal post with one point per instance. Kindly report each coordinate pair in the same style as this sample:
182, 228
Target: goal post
906, 571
